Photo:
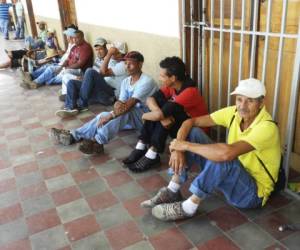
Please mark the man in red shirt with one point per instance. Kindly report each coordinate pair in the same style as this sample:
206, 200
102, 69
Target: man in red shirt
177, 100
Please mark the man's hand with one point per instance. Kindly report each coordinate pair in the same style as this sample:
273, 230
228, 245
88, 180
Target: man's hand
168, 122
177, 161
105, 119
112, 51
119, 107
177, 145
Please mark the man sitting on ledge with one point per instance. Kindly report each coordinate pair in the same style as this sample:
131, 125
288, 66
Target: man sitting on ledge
235, 168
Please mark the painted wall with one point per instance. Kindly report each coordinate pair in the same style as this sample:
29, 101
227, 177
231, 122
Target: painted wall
151, 27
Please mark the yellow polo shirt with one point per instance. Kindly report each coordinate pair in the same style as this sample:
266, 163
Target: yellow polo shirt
263, 135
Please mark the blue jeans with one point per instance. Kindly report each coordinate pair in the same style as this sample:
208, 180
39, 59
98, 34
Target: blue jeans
44, 74
229, 177
90, 130
4, 27
20, 27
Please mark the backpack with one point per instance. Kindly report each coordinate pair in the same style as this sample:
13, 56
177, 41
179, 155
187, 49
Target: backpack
281, 180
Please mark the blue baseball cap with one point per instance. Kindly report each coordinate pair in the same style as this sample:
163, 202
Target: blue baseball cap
70, 32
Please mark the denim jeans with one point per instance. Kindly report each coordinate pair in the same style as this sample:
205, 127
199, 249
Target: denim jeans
90, 130
4, 27
229, 177
67, 75
20, 27
92, 89
44, 73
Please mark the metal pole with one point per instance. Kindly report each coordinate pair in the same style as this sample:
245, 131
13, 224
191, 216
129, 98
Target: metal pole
229, 85
292, 107
183, 31
242, 40
266, 47
203, 46
211, 56
199, 56
279, 59
192, 38
253, 44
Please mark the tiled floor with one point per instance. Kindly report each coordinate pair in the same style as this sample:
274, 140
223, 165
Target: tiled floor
54, 197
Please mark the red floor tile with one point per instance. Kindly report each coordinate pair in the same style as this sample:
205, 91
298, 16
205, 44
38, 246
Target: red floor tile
42, 221
7, 185
85, 175
219, 243
66, 195
16, 136
124, 235
10, 213
20, 150
82, 227
4, 164
271, 222
23, 244
152, 183
32, 125
118, 179
33, 191
227, 217
46, 153
38, 138
101, 200
87, 119
11, 124
170, 239
26, 168
99, 159
133, 206
54, 171
74, 155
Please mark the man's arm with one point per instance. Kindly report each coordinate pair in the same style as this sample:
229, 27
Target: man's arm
104, 70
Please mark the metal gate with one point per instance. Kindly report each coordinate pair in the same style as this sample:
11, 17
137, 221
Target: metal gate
224, 41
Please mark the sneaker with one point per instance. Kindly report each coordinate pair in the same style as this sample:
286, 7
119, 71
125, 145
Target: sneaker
91, 147
62, 98
135, 155
63, 113
61, 136
164, 195
83, 109
144, 164
170, 212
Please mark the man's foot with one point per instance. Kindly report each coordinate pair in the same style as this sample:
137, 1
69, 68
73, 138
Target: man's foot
24, 85
63, 113
83, 109
164, 195
61, 136
33, 85
62, 97
144, 164
170, 212
91, 147
135, 155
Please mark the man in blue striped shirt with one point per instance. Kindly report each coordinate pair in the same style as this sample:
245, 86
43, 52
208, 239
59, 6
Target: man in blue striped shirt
4, 18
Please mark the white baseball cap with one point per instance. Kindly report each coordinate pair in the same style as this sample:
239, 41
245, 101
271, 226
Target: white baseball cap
121, 46
251, 87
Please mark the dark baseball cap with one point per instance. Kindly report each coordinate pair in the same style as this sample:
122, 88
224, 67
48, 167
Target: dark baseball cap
134, 56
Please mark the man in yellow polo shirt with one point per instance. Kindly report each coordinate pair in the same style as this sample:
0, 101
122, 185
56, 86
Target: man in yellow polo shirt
234, 168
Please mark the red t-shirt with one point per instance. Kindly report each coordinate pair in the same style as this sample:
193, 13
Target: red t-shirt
189, 98
82, 54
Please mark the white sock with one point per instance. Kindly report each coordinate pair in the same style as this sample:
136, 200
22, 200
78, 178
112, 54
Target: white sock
173, 186
189, 206
140, 146
151, 154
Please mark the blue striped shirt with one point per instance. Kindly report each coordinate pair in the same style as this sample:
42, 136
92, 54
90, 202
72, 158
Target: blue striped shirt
4, 13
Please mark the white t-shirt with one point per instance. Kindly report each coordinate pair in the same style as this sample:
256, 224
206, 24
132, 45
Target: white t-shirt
19, 9
66, 55
140, 90
97, 63
120, 73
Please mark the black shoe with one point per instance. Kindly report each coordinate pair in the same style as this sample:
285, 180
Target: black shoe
144, 164
135, 155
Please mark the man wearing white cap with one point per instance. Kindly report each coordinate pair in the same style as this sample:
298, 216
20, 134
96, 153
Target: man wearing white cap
234, 168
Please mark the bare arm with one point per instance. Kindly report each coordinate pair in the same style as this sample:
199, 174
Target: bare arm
121, 108
104, 70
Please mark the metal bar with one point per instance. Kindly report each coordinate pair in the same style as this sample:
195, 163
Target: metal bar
253, 44
211, 56
291, 193
292, 107
242, 40
200, 64
192, 39
183, 35
266, 47
220, 73
279, 59
203, 47
229, 84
